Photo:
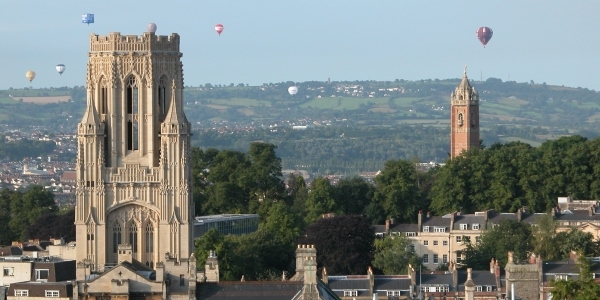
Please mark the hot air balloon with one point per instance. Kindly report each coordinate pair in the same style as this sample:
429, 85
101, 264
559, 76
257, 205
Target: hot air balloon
219, 28
151, 27
60, 68
484, 34
87, 18
293, 90
30, 75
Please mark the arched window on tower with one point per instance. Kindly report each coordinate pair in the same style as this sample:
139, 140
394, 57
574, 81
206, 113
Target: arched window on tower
103, 96
162, 98
460, 119
116, 236
149, 238
133, 237
132, 110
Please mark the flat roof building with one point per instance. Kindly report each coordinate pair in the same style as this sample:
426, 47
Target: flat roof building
226, 224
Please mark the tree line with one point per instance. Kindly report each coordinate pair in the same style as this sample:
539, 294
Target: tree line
22, 148
32, 213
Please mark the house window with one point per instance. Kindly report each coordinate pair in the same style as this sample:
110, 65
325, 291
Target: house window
425, 258
478, 288
459, 239
435, 243
181, 281
425, 228
477, 239
435, 258
41, 274
561, 277
8, 271
464, 226
445, 243
425, 243
475, 226
52, 294
411, 234
21, 293
351, 293
393, 293
439, 229
444, 258
489, 288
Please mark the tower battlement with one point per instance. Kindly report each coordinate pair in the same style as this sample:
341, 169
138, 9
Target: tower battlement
115, 42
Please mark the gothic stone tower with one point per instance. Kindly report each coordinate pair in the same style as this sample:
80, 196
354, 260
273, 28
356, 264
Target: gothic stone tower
133, 161
464, 118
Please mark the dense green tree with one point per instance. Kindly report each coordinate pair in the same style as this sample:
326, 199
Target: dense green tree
283, 223
397, 191
353, 195
544, 238
266, 172
496, 242
53, 225
393, 254
575, 240
344, 243
583, 287
29, 206
320, 200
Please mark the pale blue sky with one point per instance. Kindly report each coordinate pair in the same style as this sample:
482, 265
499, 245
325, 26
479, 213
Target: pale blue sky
552, 41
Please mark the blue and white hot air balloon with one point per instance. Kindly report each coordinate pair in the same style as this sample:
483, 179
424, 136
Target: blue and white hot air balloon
87, 18
60, 68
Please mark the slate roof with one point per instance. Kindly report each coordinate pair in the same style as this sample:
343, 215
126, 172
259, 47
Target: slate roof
378, 228
497, 218
468, 219
425, 279
391, 282
230, 290
480, 277
10, 250
532, 218
577, 215
350, 282
435, 221
404, 228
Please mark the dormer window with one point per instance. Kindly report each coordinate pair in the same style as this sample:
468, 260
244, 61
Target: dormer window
439, 229
464, 226
425, 228
475, 226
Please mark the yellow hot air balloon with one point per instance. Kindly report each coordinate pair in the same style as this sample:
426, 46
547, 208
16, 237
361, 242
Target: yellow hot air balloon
30, 75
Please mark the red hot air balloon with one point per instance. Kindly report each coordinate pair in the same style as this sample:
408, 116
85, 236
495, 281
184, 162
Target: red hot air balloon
219, 28
484, 34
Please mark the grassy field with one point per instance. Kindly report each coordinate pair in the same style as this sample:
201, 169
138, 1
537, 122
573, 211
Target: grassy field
240, 102
37, 93
512, 102
42, 100
509, 139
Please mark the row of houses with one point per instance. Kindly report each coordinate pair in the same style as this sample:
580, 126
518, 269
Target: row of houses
441, 239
